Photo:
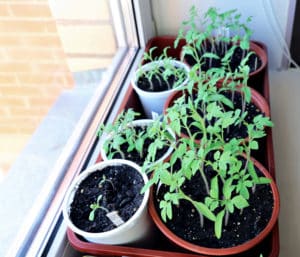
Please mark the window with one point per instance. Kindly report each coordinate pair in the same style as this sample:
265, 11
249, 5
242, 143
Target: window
42, 231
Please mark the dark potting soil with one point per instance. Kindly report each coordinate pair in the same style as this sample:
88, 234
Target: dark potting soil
254, 61
123, 196
242, 226
135, 156
239, 131
157, 83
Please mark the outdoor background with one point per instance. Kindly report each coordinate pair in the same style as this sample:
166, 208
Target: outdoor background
46, 47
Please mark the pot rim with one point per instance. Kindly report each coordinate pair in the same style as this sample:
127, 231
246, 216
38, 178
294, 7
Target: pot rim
136, 123
147, 67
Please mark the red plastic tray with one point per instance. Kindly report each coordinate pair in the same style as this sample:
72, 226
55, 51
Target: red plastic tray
162, 247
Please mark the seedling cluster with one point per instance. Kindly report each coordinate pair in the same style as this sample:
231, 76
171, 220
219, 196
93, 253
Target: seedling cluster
163, 74
215, 40
206, 114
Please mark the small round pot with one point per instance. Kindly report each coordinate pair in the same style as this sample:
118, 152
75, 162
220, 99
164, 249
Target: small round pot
153, 102
141, 122
219, 251
137, 229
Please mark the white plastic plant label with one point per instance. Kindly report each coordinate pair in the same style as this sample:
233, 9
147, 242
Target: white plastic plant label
115, 218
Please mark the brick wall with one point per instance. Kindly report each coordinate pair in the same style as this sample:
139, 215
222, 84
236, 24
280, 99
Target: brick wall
33, 72
33, 68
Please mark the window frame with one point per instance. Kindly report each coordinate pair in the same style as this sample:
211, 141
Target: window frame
38, 235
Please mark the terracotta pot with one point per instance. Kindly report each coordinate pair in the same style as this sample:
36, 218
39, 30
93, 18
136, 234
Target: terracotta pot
219, 251
259, 51
161, 42
256, 98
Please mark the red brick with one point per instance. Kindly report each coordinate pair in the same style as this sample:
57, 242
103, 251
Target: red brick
4, 111
19, 125
30, 10
34, 54
16, 100
27, 26
36, 111
42, 40
21, 90
12, 67
58, 68
7, 78
4, 10
41, 78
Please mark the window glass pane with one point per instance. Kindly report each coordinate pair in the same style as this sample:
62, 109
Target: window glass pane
57, 60
49, 48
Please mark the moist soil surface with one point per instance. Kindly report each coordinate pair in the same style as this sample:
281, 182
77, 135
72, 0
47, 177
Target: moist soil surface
254, 61
234, 131
120, 192
157, 83
134, 155
242, 226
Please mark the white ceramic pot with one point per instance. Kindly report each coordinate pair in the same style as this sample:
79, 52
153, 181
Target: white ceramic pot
153, 102
137, 229
140, 122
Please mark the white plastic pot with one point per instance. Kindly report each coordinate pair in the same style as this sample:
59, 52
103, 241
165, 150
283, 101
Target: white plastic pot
137, 229
153, 102
140, 122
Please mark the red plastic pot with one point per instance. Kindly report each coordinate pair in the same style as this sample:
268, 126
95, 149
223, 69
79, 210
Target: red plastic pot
220, 251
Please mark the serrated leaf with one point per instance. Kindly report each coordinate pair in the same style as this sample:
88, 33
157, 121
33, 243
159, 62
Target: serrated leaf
254, 145
228, 188
240, 202
214, 189
205, 211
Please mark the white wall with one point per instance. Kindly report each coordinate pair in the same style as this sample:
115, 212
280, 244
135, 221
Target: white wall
271, 23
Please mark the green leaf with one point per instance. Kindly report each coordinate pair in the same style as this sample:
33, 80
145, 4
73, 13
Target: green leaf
240, 202
219, 224
230, 206
264, 180
254, 145
204, 210
166, 210
214, 190
252, 172
228, 188
244, 192
210, 55
92, 215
